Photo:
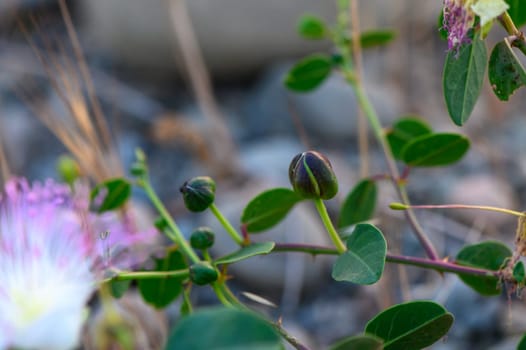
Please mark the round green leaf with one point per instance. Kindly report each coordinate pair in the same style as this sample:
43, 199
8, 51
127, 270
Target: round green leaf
374, 38
506, 73
160, 292
359, 204
223, 329
309, 73
363, 262
487, 255
403, 131
412, 325
115, 191
462, 79
311, 27
118, 288
435, 149
359, 342
268, 208
247, 252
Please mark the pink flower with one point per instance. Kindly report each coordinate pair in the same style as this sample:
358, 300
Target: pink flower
51, 258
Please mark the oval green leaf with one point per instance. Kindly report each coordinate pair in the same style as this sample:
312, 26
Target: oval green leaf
223, 329
403, 131
374, 38
412, 325
309, 73
364, 261
486, 255
506, 73
160, 292
462, 79
115, 193
359, 204
246, 252
517, 12
268, 209
359, 342
435, 149
311, 27
118, 288
518, 272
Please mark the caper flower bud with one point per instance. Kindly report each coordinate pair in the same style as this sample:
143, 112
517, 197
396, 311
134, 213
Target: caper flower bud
311, 176
198, 193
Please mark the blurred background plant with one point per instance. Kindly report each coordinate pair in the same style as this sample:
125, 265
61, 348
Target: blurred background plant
198, 86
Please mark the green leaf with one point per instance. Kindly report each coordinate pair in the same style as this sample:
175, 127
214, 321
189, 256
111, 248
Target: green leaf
403, 131
223, 329
115, 191
359, 342
118, 288
506, 73
486, 255
268, 208
518, 272
363, 262
442, 32
309, 73
522, 343
517, 12
311, 27
359, 204
376, 38
435, 149
246, 252
412, 325
160, 292
462, 79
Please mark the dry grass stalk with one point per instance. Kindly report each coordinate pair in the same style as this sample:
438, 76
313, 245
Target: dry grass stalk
83, 130
4, 166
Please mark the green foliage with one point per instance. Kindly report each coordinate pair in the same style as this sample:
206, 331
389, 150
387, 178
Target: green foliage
435, 149
115, 191
375, 38
268, 209
118, 288
412, 325
363, 262
160, 292
487, 255
359, 342
223, 329
506, 73
311, 27
309, 73
517, 11
462, 79
522, 343
403, 131
246, 252
518, 272
359, 204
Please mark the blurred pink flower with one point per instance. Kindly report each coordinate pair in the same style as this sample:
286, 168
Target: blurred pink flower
53, 252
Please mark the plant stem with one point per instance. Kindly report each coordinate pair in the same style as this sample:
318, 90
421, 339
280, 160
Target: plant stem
335, 237
126, 276
508, 24
289, 338
220, 295
226, 224
468, 206
175, 235
438, 265
374, 121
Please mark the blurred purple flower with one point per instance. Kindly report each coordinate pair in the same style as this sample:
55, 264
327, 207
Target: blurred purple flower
53, 252
458, 20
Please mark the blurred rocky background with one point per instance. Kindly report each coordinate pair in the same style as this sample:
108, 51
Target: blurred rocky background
198, 86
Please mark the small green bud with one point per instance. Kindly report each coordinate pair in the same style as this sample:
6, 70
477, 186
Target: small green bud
198, 193
160, 223
202, 273
138, 169
311, 176
398, 206
68, 169
202, 238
